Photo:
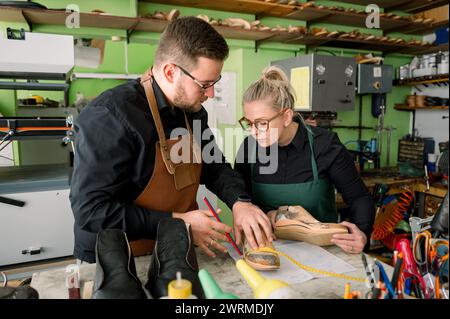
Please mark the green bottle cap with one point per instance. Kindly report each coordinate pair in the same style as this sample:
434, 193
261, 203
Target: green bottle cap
211, 288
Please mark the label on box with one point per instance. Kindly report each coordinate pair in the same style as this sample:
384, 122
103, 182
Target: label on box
377, 72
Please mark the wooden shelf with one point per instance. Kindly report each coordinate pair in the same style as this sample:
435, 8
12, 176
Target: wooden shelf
421, 30
58, 17
404, 107
255, 7
309, 14
432, 79
371, 45
418, 50
409, 6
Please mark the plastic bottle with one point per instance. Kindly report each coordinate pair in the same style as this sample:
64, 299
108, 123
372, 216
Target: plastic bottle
211, 288
264, 288
179, 289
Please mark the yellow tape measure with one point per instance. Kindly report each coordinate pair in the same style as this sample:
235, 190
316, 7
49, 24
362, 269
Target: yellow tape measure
310, 269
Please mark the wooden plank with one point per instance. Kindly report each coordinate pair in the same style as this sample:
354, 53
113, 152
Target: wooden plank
430, 79
438, 14
367, 45
380, 3
98, 20
434, 190
402, 5
254, 7
307, 14
344, 18
308, 40
12, 15
422, 28
404, 107
151, 25
280, 37
391, 181
418, 6
240, 34
418, 50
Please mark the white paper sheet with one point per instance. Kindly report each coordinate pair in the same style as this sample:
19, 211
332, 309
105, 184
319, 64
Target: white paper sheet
223, 106
304, 253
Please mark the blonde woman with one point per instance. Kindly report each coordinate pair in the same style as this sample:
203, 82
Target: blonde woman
311, 162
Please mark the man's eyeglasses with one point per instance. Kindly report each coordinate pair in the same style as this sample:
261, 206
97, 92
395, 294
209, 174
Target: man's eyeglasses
203, 86
262, 125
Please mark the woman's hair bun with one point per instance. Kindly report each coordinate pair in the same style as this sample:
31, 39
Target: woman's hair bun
274, 73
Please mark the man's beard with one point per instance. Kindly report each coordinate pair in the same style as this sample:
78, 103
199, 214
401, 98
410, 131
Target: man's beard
180, 100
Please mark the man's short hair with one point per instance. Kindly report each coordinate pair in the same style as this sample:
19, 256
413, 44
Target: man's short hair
188, 38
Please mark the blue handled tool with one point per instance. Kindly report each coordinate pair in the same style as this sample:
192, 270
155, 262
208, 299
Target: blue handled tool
385, 278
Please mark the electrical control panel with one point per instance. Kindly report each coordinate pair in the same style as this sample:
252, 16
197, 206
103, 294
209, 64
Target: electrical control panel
374, 78
321, 82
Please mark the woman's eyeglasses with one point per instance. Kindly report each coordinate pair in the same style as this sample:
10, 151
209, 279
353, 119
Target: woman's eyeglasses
262, 125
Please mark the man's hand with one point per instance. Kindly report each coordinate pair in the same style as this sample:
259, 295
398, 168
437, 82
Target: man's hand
250, 219
205, 231
351, 243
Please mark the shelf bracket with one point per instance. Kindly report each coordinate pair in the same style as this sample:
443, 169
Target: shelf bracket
257, 45
131, 30
259, 42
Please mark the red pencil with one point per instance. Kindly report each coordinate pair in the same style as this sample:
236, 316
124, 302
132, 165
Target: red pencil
218, 219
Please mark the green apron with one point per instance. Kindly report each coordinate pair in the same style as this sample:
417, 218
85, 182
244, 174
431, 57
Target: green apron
317, 196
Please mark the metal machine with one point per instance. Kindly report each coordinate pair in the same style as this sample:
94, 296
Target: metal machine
34, 199
321, 82
374, 78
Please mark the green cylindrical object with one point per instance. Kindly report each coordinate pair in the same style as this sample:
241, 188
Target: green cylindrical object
211, 288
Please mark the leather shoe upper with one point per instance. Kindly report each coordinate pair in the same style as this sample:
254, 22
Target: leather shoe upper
174, 252
115, 276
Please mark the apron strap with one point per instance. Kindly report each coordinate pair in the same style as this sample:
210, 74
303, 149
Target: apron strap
311, 146
146, 82
252, 155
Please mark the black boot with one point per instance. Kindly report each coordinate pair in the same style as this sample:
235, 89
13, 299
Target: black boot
21, 292
115, 274
174, 252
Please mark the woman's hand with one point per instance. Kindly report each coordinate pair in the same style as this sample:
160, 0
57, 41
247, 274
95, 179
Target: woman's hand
272, 214
353, 242
250, 220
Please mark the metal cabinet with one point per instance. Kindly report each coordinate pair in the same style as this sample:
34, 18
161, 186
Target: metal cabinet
43, 227
321, 82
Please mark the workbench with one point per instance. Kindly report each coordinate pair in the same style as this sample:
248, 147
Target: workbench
397, 184
51, 284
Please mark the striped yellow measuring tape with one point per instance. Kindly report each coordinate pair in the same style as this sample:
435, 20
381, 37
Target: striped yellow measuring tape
310, 269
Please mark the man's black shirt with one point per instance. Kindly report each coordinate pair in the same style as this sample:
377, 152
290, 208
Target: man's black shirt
115, 139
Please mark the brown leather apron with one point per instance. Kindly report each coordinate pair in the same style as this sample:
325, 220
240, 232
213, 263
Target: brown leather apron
175, 179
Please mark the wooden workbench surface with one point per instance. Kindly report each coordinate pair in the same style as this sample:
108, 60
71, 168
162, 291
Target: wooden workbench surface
51, 284
416, 184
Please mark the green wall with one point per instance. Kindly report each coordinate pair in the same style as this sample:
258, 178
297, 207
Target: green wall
243, 60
